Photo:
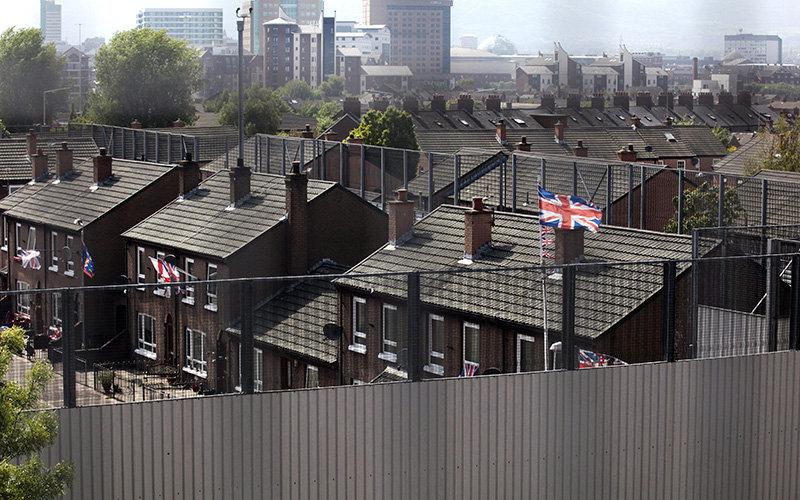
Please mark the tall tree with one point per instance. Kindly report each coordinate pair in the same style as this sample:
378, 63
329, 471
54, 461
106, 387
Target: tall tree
27, 69
24, 433
393, 128
779, 148
261, 113
144, 75
701, 209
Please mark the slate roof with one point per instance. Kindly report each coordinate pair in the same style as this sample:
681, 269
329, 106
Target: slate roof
15, 164
386, 71
203, 224
734, 163
294, 318
58, 203
605, 294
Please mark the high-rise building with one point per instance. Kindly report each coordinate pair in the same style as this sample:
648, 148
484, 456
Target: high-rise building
420, 32
200, 27
292, 52
50, 16
304, 12
761, 49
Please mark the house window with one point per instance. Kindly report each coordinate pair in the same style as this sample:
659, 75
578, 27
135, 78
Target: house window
211, 288
390, 333
70, 263
140, 266
472, 348
359, 325
195, 353
286, 373
312, 376
54, 252
524, 353
24, 300
31, 238
17, 233
258, 370
681, 163
188, 266
162, 291
146, 334
55, 303
435, 344
5, 233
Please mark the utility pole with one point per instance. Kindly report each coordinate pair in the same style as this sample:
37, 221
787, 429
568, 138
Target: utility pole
240, 28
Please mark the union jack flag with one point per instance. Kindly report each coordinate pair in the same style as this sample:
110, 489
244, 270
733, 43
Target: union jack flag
568, 212
589, 359
88, 263
31, 259
469, 369
165, 270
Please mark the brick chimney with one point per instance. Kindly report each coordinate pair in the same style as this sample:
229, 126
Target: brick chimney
102, 167
64, 160
307, 133
39, 163
580, 150
477, 228
666, 99
644, 99
621, 100
411, 104
705, 99
559, 128
297, 219
574, 100
465, 103
598, 101
686, 99
725, 98
136, 124
668, 121
569, 246
401, 217
627, 154
331, 136
493, 102
548, 102
744, 98
501, 131
240, 183
188, 175
523, 145
352, 105
380, 104
438, 103
636, 121
178, 123
30, 142
694, 69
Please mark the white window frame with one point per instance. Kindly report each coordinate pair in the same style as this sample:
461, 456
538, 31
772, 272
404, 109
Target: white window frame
435, 359
5, 234
359, 338
196, 365
24, 301
520, 339
146, 347
31, 238
70, 270
53, 251
466, 361
188, 266
309, 370
55, 303
18, 231
160, 291
211, 296
682, 164
258, 369
141, 278
386, 354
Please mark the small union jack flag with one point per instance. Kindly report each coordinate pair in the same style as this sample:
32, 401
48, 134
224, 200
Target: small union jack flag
31, 259
568, 212
469, 369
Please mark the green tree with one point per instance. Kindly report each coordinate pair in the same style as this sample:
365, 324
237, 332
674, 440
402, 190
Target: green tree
723, 134
23, 432
701, 209
466, 83
333, 86
322, 111
296, 89
781, 149
142, 74
27, 69
394, 129
261, 113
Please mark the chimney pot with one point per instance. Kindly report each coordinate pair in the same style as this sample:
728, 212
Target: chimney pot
401, 217
240, 183
580, 150
64, 160
39, 164
523, 144
30, 142
501, 131
559, 129
569, 245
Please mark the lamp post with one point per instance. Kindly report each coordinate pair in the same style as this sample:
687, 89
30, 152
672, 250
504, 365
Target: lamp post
240, 28
79, 222
44, 102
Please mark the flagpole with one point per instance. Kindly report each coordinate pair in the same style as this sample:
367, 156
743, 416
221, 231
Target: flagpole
79, 222
544, 285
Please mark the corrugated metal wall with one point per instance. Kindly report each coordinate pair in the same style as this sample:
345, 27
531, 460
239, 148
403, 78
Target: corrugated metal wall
717, 428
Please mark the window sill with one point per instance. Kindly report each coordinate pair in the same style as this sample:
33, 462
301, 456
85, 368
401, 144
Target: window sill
69, 273
188, 300
359, 348
211, 307
435, 369
388, 356
196, 373
161, 292
53, 268
145, 353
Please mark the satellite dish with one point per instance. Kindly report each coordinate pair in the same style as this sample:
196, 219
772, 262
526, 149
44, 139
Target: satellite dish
122, 280
332, 331
402, 358
492, 371
66, 253
170, 259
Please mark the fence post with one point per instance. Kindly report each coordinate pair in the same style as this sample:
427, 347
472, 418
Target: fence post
246, 304
513, 183
764, 192
721, 209
456, 176
341, 164
383, 178
609, 219
405, 169
430, 182
362, 190
794, 319
643, 201
773, 278
568, 317
68, 348
630, 196
414, 357
668, 312
169, 149
196, 148
158, 147
680, 200
543, 173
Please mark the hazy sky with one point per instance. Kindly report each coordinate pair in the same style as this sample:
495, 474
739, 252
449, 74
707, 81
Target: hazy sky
582, 26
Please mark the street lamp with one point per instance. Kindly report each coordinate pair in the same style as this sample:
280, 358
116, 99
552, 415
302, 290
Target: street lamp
79, 223
44, 102
240, 28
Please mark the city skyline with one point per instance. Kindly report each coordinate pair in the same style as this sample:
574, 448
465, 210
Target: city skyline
685, 27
